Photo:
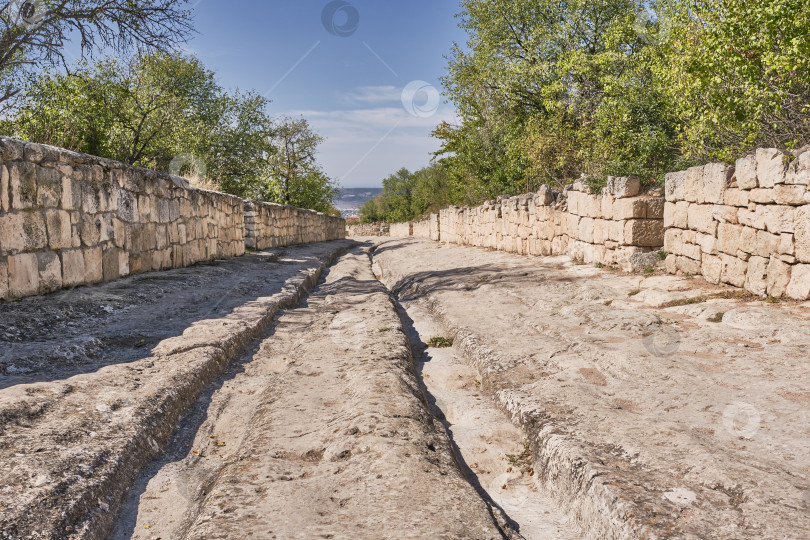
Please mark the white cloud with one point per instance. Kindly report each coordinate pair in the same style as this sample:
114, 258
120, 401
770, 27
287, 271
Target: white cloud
374, 94
364, 145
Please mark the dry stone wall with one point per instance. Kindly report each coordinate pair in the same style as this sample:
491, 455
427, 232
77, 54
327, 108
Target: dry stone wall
69, 219
747, 225
401, 230
369, 229
617, 226
269, 225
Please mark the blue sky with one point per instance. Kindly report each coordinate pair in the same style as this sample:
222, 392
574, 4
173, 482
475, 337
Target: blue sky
346, 77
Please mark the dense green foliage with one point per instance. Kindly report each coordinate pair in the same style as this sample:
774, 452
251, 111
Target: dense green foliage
167, 112
407, 196
549, 90
738, 73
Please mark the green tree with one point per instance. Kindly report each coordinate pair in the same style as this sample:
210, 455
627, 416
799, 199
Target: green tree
295, 176
407, 196
738, 73
548, 91
33, 33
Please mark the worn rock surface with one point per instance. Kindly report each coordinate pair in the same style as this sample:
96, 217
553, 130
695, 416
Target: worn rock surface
95, 379
657, 406
320, 431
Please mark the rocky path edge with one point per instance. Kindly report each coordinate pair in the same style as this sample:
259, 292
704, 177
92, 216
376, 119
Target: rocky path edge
73, 485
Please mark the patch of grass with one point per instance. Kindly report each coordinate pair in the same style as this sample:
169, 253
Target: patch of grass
600, 265
248, 251
440, 342
384, 330
662, 255
523, 461
717, 318
633, 293
725, 295
649, 270
688, 276
773, 300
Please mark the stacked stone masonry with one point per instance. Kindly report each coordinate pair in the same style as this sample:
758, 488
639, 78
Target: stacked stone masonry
747, 225
617, 226
369, 229
269, 225
69, 219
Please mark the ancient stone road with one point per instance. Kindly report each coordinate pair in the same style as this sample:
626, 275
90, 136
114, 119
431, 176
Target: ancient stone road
649, 421
218, 401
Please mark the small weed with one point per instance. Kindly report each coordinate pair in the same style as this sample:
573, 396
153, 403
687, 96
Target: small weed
726, 295
440, 342
633, 293
773, 300
384, 330
600, 265
523, 461
649, 270
248, 251
662, 255
717, 318
688, 276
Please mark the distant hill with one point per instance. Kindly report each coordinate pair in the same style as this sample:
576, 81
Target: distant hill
350, 199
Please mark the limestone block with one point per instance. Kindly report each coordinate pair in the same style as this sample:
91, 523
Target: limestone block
789, 194
707, 243
607, 206
736, 197
693, 185
700, 218
786, 244
798, 288
728, 238
802, 233
748, 239
23, 183
767, 244
3, 279
733, 270
671, 264
778, 277
746, 172
798, 172
644, 233
545, 196
22, 231
622, 187
716, 179
655, 208
725, 214
600, 230
59, 229
743, 256
761, 196
593, 206
711, 268
37, 152
629, 209
675, 185
777, 218
50, 271
49, 187
756, 279
23, 275
771, 167
689, 266
93, 265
